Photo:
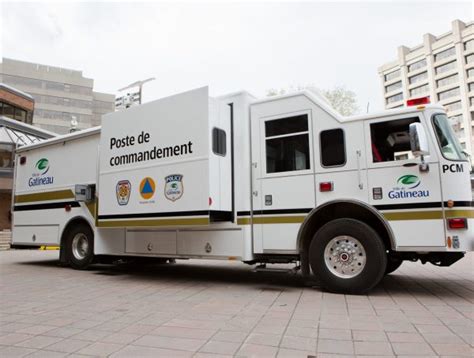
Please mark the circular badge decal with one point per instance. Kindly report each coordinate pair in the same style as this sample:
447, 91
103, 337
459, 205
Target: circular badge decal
147, 188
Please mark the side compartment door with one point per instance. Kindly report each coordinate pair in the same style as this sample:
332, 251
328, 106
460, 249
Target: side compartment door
409, 198
283, 180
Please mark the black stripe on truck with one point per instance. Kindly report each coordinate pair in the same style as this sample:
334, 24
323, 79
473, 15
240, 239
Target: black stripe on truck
163, 215
61, 205
430, 205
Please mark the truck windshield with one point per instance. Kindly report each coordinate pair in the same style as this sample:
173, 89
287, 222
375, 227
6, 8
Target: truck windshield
450, 146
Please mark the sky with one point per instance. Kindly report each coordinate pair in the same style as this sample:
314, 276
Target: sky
230, 46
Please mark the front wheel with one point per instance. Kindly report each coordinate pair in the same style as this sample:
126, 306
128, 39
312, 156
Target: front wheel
348, 256
80, 246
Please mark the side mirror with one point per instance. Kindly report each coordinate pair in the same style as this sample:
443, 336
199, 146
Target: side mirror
418, 140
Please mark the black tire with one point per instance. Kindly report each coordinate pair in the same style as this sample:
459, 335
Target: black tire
80, 246
393, 264
375, 256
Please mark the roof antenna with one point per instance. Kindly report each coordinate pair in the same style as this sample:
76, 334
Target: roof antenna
368, 105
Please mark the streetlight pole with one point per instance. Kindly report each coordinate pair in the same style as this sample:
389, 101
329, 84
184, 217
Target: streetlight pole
138, 84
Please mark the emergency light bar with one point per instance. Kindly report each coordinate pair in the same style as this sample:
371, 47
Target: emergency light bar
418, 101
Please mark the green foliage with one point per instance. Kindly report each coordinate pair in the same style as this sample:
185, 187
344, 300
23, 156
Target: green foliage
341, 99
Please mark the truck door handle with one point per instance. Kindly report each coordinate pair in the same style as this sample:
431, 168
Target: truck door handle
407, 165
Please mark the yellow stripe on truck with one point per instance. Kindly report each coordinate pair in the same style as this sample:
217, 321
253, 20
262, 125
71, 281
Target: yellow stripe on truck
44, 196
414, 215
49, 248
390, 216
468, 214
156, 222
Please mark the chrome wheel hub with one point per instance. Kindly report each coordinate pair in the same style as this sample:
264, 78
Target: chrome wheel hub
345, 256
80, 246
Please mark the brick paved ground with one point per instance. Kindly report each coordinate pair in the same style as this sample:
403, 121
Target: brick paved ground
209, 308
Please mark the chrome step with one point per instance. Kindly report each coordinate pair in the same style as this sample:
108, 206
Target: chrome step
264, 268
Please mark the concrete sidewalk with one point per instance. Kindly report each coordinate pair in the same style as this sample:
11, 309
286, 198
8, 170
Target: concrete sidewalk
212, 308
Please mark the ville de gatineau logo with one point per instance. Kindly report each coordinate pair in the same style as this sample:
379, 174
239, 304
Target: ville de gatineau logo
407, 187
38, 177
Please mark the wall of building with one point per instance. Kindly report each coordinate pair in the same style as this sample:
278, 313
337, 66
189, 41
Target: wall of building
5, 205
61, 95
441, 67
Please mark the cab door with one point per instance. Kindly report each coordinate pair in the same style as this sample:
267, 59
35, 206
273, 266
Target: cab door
408, 196
282, 179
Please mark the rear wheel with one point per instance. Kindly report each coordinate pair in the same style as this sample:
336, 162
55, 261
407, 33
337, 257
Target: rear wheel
348, 256
80, 246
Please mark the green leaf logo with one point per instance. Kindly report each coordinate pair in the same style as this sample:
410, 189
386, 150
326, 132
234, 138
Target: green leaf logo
42, 165
409, 180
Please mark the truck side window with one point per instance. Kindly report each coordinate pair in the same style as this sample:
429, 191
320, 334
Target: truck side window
391, 140
287, 144
219, 142
333, 148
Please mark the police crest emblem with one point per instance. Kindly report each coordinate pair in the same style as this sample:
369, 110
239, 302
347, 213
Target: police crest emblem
122, 191
174, 187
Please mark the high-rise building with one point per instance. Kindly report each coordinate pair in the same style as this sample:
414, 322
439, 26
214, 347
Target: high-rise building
442, 67
61, 95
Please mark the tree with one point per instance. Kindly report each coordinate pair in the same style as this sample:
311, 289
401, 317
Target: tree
341, 99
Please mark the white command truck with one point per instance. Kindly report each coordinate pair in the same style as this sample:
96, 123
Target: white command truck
278, 180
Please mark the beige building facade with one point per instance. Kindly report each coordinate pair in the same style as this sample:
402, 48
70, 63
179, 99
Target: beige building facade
61, 95
442, 67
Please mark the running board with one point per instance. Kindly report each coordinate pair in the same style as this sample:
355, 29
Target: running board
264, 268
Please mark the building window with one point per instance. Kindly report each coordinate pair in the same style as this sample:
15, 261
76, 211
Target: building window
447, 80
287, 144
453, 106
396, 98
392, 75
447, 67
54, 86
7, 110
6, 155
468, 45
18, 81
391, 140
471, 101
418, 78
455, 122
333, 148
20, 114
417, 65
470, 72
419, 90
219, 146
456, 119
471, 86
448, 94
470, 58
393, 87
444, 54
44, 113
